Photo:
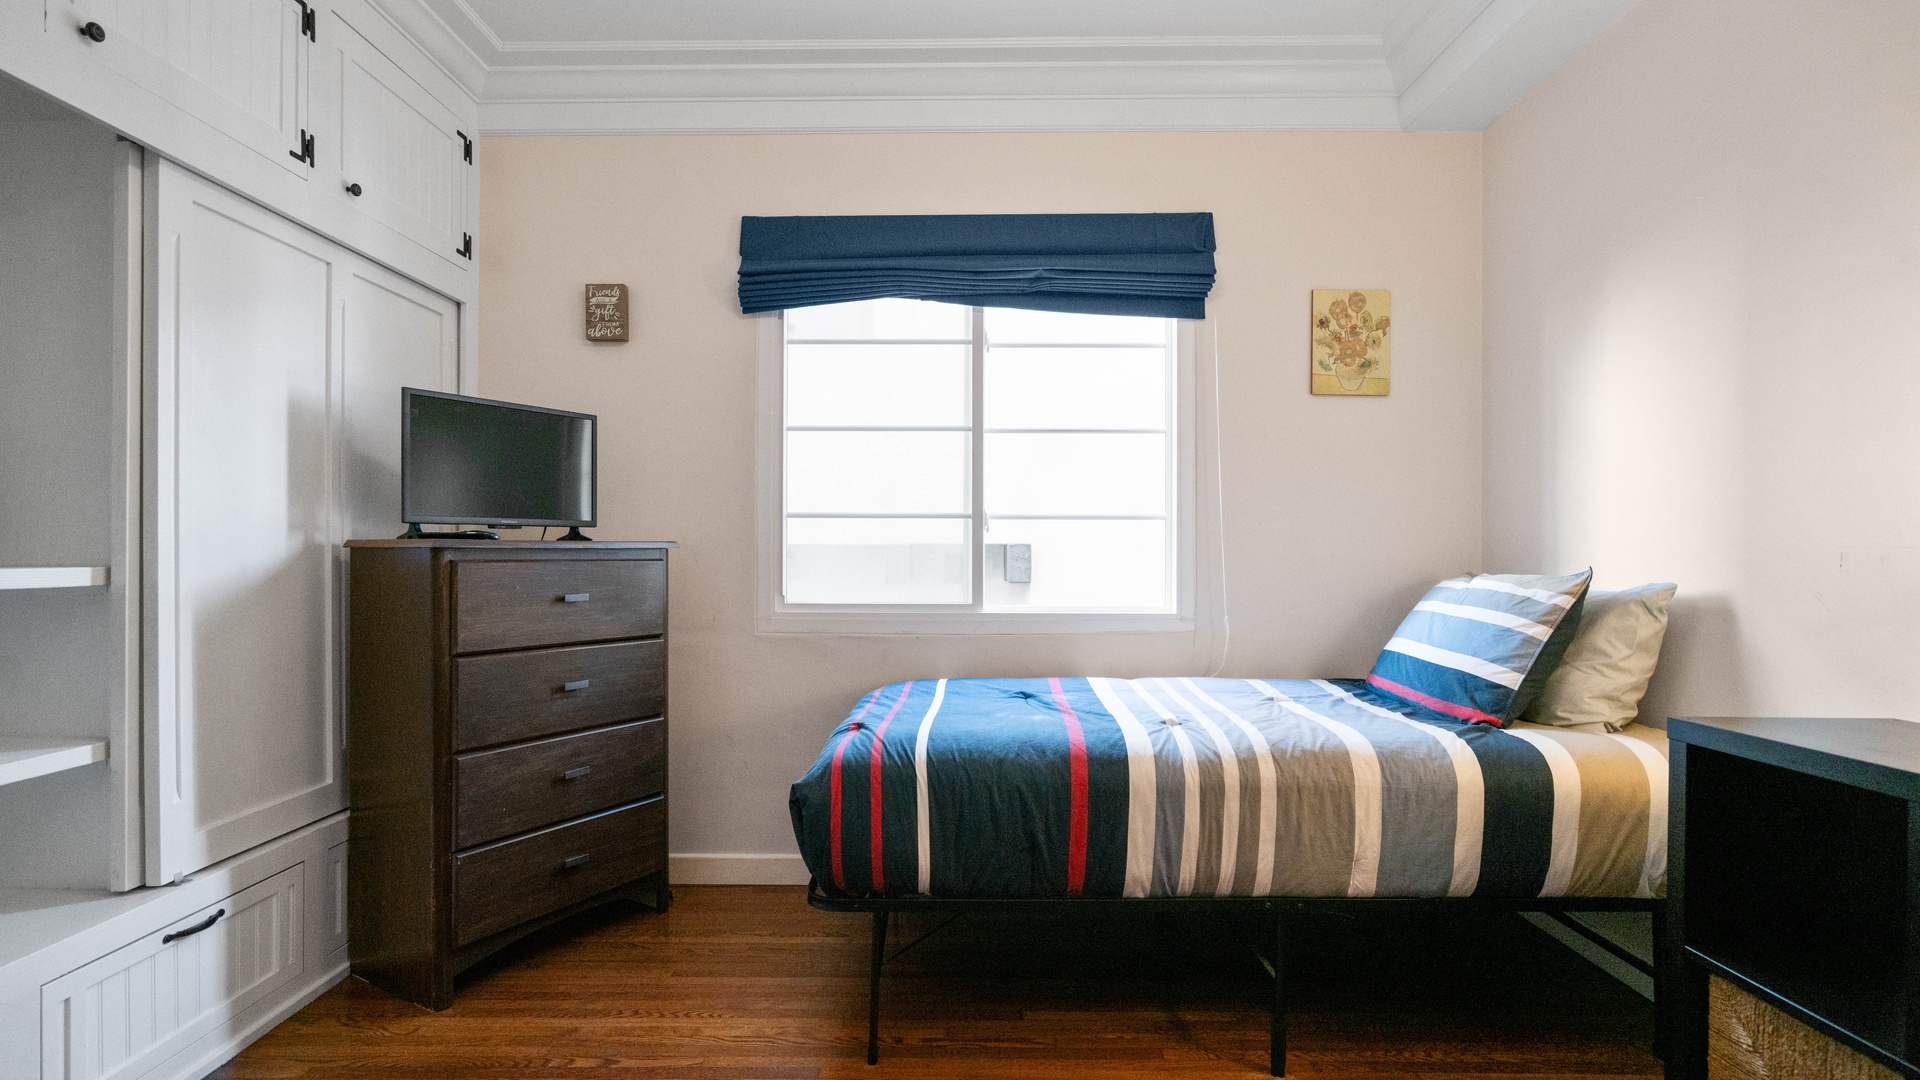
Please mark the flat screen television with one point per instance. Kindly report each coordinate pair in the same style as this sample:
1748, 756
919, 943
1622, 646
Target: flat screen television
471, 461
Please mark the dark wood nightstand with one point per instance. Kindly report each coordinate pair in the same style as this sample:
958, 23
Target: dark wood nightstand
1794, 896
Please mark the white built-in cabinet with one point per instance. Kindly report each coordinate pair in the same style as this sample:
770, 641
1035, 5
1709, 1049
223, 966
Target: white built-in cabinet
321, 90
239, 65
402, 155
203, 337
274, 420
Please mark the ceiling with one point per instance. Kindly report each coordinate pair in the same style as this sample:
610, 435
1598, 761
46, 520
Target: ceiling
863, 65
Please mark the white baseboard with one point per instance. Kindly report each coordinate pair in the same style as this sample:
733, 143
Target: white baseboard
735, 869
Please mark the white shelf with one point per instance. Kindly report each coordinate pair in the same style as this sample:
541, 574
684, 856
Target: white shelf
23, 758
51, 577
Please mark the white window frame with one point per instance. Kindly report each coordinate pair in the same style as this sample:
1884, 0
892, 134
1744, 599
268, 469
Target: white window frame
776, 616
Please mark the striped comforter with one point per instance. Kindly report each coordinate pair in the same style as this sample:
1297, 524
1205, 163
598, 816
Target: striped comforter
1220, 787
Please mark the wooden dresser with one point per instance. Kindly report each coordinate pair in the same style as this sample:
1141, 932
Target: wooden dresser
507, 746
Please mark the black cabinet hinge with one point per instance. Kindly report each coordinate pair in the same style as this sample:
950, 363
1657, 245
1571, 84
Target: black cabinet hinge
308, 17
465, 250
466, 146
305, 153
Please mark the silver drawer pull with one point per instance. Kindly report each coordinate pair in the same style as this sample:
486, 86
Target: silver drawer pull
574, 862
576, 772
574, 598
577, 684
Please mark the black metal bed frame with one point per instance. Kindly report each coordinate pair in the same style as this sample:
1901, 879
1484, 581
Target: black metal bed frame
1275, 907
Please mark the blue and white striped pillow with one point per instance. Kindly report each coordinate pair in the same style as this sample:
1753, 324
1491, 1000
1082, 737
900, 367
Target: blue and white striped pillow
1479, 648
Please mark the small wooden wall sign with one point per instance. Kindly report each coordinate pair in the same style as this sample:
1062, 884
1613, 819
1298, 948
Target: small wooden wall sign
606, 313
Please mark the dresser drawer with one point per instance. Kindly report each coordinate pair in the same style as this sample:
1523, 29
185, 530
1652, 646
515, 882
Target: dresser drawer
519, 604
501, 792
500, 887
508, 697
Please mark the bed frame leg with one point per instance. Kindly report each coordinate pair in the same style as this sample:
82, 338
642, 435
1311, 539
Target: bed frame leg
1277, 1024
873, 987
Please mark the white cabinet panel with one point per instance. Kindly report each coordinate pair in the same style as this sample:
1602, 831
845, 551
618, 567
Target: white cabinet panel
400, 147
331, 935
396, 333
244, 716
133, 1008
240, 65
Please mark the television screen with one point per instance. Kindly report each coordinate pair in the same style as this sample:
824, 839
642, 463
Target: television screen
470, 461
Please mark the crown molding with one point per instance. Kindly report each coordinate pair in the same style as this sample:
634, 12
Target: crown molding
1500, 54
446, 48
1449, 64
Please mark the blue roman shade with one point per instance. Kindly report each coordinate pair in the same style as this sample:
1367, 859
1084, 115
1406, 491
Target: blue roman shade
1102, 264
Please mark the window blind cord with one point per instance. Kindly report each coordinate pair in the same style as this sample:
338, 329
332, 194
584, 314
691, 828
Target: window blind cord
1220, 508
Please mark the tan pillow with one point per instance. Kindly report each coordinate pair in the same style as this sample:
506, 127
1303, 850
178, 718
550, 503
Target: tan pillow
1600, 681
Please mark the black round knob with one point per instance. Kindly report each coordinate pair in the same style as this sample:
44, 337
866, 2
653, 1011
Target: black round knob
93, 31
353, 190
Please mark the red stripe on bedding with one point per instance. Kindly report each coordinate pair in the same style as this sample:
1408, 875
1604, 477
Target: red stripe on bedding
874, 761
1077, 771
1458, 712
833, 785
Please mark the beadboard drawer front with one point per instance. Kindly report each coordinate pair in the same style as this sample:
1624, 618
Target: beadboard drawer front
131, 1009
502, 792
500, 887
518, 605
508, 697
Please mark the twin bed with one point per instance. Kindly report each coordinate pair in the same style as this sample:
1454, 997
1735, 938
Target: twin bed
1416, 787
1069, 787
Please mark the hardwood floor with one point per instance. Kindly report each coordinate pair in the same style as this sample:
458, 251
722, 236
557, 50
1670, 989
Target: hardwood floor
750, 982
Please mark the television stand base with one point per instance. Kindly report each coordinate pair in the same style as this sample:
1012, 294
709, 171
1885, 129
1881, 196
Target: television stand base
413, 533
575, 534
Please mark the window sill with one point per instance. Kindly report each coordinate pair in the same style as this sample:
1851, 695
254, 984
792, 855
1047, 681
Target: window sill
972, 623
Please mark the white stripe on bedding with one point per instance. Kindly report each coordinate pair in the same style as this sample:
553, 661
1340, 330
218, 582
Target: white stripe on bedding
1190, 811
1269, 825
1229, 790
1472, 665
1470, 785
1566, 809
1656, 860
920, 788
1545, 596
1486, 615
1367, 791
1143, 791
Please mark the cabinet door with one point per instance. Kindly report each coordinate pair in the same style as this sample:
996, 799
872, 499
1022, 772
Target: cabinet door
394, 333
239, 65
137, 1006
242, 724
401, 148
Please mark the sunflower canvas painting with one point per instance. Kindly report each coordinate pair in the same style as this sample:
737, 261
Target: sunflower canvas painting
1352, 346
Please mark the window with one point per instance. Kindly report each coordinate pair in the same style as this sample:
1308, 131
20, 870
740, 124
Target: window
938, 458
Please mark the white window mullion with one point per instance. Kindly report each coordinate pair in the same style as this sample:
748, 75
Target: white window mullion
978, 469
1174, 439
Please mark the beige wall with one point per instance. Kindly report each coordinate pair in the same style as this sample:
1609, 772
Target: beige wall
1702, 356
1339, 511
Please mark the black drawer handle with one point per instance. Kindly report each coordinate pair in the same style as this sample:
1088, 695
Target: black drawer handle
574, 598
94, 32
576, 772
577, 684
204, 924
354, 190
574, 862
